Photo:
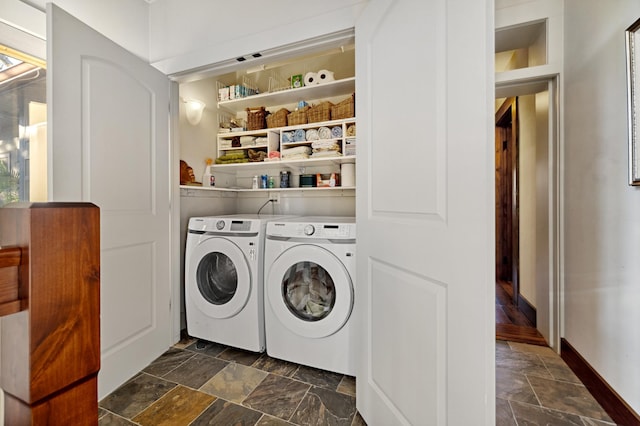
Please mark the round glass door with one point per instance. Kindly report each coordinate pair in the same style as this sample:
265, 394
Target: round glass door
310, 291
218, 278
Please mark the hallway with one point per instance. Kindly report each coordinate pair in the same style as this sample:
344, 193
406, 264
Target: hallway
511, 324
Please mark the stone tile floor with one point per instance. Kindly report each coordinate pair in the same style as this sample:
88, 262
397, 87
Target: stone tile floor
534, 386
203, 383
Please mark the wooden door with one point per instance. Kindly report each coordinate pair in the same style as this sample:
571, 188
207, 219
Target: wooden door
108, 136
506, 189
425, 212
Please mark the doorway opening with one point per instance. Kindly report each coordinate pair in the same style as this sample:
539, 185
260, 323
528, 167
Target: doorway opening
526, 161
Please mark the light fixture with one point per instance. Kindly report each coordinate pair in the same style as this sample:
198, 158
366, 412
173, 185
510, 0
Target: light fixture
193, 109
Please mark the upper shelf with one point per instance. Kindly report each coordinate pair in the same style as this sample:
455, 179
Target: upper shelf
325, 90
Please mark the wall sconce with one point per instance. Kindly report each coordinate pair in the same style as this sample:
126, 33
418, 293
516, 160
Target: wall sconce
193, 109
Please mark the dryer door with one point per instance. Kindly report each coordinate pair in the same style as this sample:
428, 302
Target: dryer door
310, 291
218, 278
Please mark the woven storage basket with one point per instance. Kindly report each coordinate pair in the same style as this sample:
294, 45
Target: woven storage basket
320, 112
344, 109
278, 118
298, 117
256, 118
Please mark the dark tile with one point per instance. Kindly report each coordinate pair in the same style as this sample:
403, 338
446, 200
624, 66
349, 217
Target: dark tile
240, 356
514, 386
235, 382
275, 366
358, 420
206, 348
530, 415
166, 362
101, 412
267, 420
567, 397
522, 363
196, 371
594, 422
224, 412
348, 385
504, 415
320, 378
110, 419
325, 407
277, 395
559, 369
136, 395
178, 407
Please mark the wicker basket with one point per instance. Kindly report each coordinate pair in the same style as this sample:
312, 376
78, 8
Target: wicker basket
344, 109
278, 118
298, 117
256, 118
320, 112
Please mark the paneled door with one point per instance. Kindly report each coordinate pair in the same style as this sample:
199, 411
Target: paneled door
425, 212
109, 144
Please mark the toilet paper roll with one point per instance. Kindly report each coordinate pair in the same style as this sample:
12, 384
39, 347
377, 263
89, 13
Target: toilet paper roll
324, 76
348, 174
310, 79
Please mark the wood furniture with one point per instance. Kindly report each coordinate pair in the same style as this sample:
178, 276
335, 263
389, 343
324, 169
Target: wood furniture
50, 303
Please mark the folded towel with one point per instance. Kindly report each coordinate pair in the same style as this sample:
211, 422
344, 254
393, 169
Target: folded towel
299, 135
351, 130
296, 150
247, 140
295, 156
336, 131
287, 136
322, 154
312, 135
274, 154
261, 141
324, 133
325, 144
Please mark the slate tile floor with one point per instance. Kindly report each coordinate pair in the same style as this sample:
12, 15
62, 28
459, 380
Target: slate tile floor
534, 386
202, 383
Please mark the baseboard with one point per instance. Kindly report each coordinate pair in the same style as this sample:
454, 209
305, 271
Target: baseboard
613, 404
527, 310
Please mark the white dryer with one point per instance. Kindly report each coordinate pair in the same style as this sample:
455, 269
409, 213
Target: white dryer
310, 288
224, 279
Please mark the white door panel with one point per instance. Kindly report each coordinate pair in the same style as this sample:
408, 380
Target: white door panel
425, 220
109, 144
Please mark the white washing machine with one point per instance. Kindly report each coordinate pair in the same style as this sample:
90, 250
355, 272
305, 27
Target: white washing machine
309, 292
224, 279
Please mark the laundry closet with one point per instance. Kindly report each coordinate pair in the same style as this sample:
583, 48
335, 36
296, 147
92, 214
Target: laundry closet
279, 135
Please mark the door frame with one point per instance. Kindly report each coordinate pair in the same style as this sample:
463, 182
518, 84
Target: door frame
550, 324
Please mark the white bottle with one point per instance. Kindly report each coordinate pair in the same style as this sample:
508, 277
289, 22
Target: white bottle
206, 177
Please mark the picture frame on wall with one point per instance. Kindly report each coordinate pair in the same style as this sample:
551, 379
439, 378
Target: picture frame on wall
632, 42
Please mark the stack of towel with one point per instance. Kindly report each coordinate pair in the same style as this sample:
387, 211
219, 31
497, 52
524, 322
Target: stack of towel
299, 152
325, 148
235, 156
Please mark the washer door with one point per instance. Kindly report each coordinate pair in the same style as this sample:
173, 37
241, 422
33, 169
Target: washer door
219, 278
310, 291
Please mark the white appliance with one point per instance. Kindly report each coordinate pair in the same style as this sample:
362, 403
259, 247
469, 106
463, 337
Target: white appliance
309, 292
224, 279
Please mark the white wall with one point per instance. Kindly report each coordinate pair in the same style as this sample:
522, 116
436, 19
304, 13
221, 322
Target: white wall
188, 34
602, 220
527, 196
123, 21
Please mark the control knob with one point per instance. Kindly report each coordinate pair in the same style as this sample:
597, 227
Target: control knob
309, 230
220, 225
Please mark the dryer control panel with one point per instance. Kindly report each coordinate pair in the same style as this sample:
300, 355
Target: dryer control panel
298, 228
